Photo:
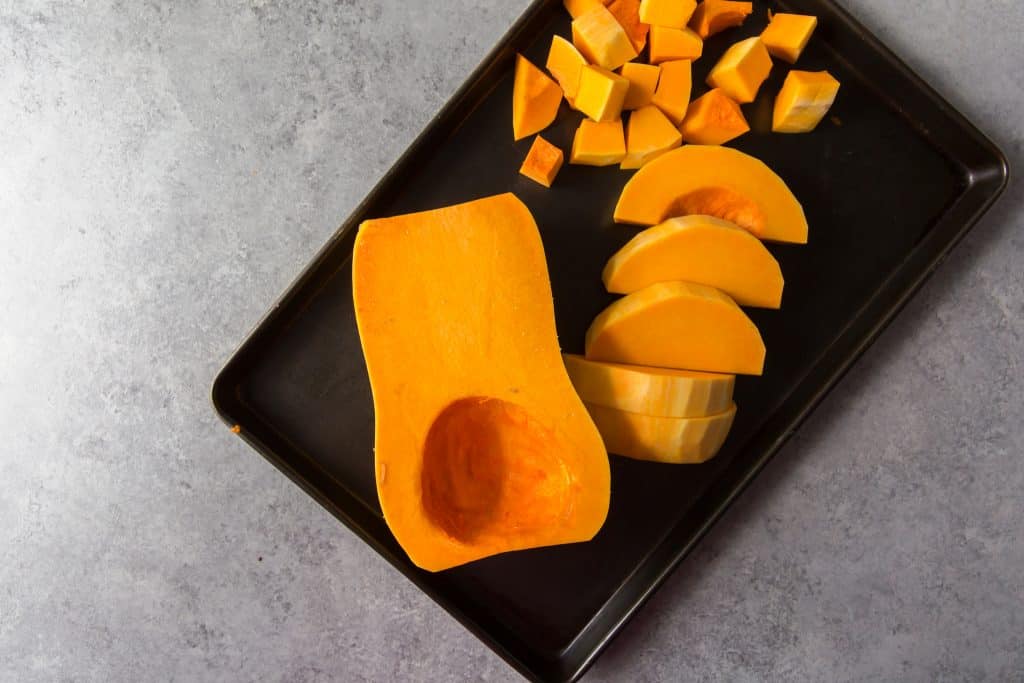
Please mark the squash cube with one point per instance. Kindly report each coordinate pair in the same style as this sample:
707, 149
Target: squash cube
804, 100
673, 94
627, 13
788, 34
649, 135
543, 162
565, 63
713, 16
671, 13
674, 43
535, 99
741, 70
598, 144
713, 119
643, 81
601, 93
577, 8
601, 39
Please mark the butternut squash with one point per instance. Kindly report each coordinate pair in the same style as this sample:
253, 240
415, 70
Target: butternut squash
668, 44
649, 135
804, 100
627, 13
713, 119
678, 325
671, 13
535, 99
643, 81
714, 181
598, 144
601, 39
700, 249
482, 445
712, 16
741, 70
788, 34
669, 440
543, 162
577, 8
659, 392
565, 63
673, 94
601, 93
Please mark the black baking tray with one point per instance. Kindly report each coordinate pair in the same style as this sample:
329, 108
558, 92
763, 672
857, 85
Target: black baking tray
890, 183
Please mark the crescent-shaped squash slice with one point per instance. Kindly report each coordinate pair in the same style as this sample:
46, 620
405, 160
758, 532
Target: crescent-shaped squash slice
671, 440
678, 325
482, 445
714, 181
701, 249
660, 392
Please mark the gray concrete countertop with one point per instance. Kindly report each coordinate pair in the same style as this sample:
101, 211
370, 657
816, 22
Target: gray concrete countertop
167, 167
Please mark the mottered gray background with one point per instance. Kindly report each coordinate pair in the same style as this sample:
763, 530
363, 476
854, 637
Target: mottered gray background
166, 169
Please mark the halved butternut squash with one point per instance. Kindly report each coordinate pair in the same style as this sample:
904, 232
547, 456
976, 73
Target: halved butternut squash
700, 249
678, 325
660, 392
535, 99
482, 445
669, 440
713, 181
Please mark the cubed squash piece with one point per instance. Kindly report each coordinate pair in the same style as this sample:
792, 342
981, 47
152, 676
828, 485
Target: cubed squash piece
565, 63
601, 39
643, 81
579, 7
535, 99
741, 70
674, 43
627, 12
649, 135
673, 94
804, 100
672, 13
598, 144
713, 119
601, 93
788, 34
650, 391
668, 440
713, 16
543, 162
678, 325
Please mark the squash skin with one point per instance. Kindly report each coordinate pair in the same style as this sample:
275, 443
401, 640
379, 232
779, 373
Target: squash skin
716, 181
456, 320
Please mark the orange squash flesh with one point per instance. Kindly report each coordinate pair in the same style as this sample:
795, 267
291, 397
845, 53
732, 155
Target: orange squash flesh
669, 440
535, 99
482, 445
643, 81
673, 94
601, 39
803, 101
601, 93
788, 34
598, 144
741, 70
543, 162
659, 392
714, 181
668, 44
678, 325
649, 135
576, 8
713, 119
700, 249
627, 13
671, 13
565, 63
713, 16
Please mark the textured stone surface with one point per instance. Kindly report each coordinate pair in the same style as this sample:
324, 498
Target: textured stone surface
166, 167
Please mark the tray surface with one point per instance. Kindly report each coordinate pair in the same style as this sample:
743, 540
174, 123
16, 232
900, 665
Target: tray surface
890, 183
